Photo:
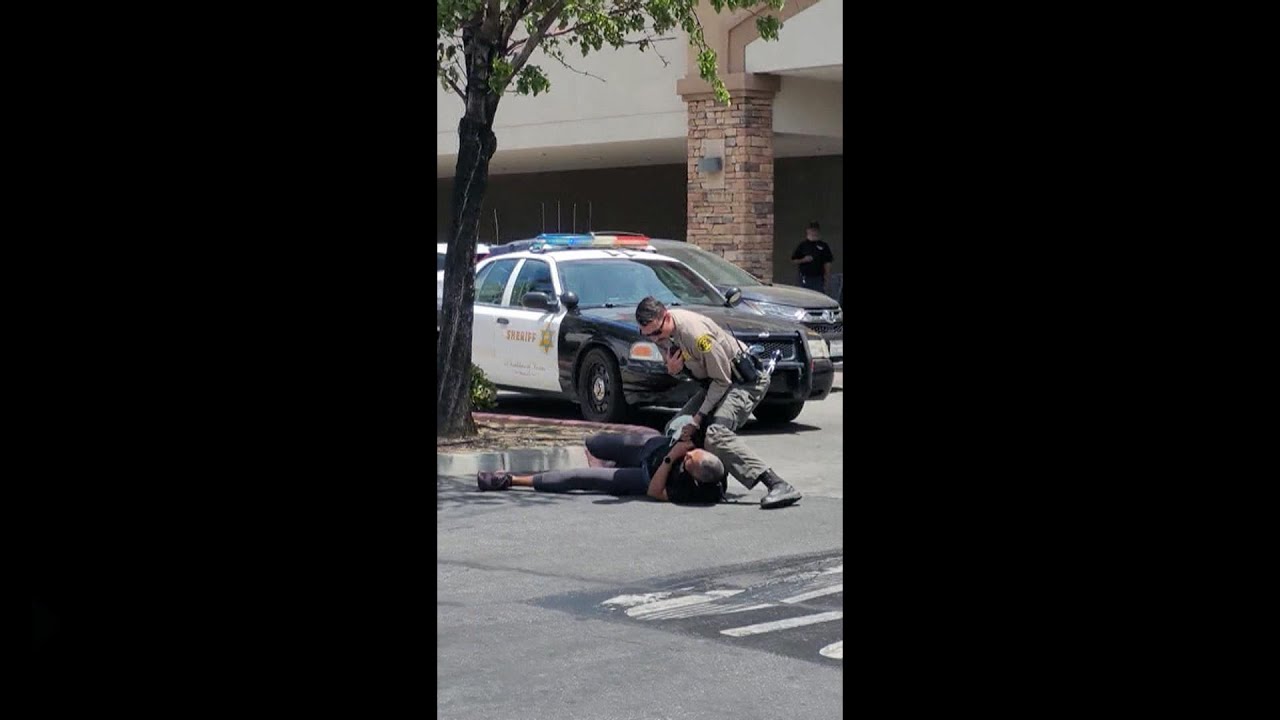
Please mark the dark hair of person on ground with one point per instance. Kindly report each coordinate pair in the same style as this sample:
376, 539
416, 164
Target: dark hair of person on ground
814, 225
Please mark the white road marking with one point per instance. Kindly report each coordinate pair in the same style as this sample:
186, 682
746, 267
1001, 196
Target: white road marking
835, 651
802, 577
631, 600
707, 609
658, 610
783, 624
815, 593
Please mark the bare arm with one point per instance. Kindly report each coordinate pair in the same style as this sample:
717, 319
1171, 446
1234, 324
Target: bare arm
658, 484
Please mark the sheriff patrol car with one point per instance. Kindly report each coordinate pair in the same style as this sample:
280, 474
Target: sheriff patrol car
556, 315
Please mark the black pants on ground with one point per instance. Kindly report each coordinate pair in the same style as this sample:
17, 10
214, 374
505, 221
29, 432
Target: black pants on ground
627, 450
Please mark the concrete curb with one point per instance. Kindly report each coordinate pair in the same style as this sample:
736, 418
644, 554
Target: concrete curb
522, 460
501, 419
516, 460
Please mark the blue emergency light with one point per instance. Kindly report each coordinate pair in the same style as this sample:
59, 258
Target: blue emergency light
565, 239
548, 241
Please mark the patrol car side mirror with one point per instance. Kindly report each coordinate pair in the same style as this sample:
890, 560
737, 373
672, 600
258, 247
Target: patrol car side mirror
539, 301
570, 299
732, 297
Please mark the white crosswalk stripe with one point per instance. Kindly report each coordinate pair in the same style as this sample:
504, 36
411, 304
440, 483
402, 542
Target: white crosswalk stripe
805, 576
710, 609
633, 600
783, 624
662, 609
831, 590
803, 590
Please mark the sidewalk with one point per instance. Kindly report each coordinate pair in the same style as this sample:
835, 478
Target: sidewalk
518, 460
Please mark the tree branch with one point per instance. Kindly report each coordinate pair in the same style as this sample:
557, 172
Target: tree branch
493, 18
652, 40
457, 89
571, 68
548, 17
517, 13
617, 11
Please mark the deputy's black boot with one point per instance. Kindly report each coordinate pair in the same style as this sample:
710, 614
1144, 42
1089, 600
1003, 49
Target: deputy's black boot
780, 494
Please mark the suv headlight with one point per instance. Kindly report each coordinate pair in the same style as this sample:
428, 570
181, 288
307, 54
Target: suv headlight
780, 311
818, 349
645, 350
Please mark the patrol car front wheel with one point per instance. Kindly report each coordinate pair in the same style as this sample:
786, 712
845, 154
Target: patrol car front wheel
778, 413
600, 388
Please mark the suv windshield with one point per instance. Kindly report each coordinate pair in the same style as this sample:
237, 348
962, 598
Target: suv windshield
709, 265
627, 281
439, 262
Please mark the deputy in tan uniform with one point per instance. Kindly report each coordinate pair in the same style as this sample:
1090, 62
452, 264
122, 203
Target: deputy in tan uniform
708, 351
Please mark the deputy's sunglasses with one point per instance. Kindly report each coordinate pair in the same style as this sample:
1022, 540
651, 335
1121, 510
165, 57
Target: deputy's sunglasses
657, 332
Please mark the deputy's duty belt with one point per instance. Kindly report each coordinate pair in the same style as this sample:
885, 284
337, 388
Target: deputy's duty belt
745, 369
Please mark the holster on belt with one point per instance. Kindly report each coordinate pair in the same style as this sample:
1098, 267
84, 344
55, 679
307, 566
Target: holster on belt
745, 369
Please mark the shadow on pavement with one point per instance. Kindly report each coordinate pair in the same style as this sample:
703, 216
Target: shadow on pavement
653, 417
792, 428
514, 404
602, 499
452, 491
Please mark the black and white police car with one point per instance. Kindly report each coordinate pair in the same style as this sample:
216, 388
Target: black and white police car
556, 315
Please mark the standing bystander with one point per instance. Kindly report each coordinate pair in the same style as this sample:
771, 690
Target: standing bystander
813, 258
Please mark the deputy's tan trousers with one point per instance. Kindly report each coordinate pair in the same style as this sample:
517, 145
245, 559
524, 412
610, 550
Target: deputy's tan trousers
732, 413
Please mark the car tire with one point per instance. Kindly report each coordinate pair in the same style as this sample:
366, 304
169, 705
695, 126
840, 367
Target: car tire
777, 413
600, 388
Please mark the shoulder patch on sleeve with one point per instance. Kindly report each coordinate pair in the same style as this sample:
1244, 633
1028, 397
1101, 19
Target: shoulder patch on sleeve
704, 342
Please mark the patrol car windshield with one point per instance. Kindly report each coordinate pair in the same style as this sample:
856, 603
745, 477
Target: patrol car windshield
626, 281
711, 266
439, 262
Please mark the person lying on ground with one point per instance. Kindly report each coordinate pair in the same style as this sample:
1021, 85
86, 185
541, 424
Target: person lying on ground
646, 464
733, 386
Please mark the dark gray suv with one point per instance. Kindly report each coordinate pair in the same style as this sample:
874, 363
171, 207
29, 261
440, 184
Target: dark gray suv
816, 311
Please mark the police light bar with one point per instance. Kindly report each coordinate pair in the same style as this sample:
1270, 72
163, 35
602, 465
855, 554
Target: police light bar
559, 241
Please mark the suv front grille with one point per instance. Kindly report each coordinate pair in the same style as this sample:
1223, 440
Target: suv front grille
825, 328
823, 315
788, 347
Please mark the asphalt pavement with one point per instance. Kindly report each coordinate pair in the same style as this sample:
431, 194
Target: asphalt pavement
595, 607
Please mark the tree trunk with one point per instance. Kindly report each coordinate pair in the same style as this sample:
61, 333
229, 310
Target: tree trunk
476, 145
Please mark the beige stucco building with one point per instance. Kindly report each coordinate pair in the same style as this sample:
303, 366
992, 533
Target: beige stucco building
619, 149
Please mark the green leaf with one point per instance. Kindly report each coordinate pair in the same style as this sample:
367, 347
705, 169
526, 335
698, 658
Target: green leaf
589, 25
500, 75
532, 81
768, 25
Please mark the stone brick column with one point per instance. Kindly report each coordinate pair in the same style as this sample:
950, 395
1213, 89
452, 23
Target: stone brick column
730, 211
